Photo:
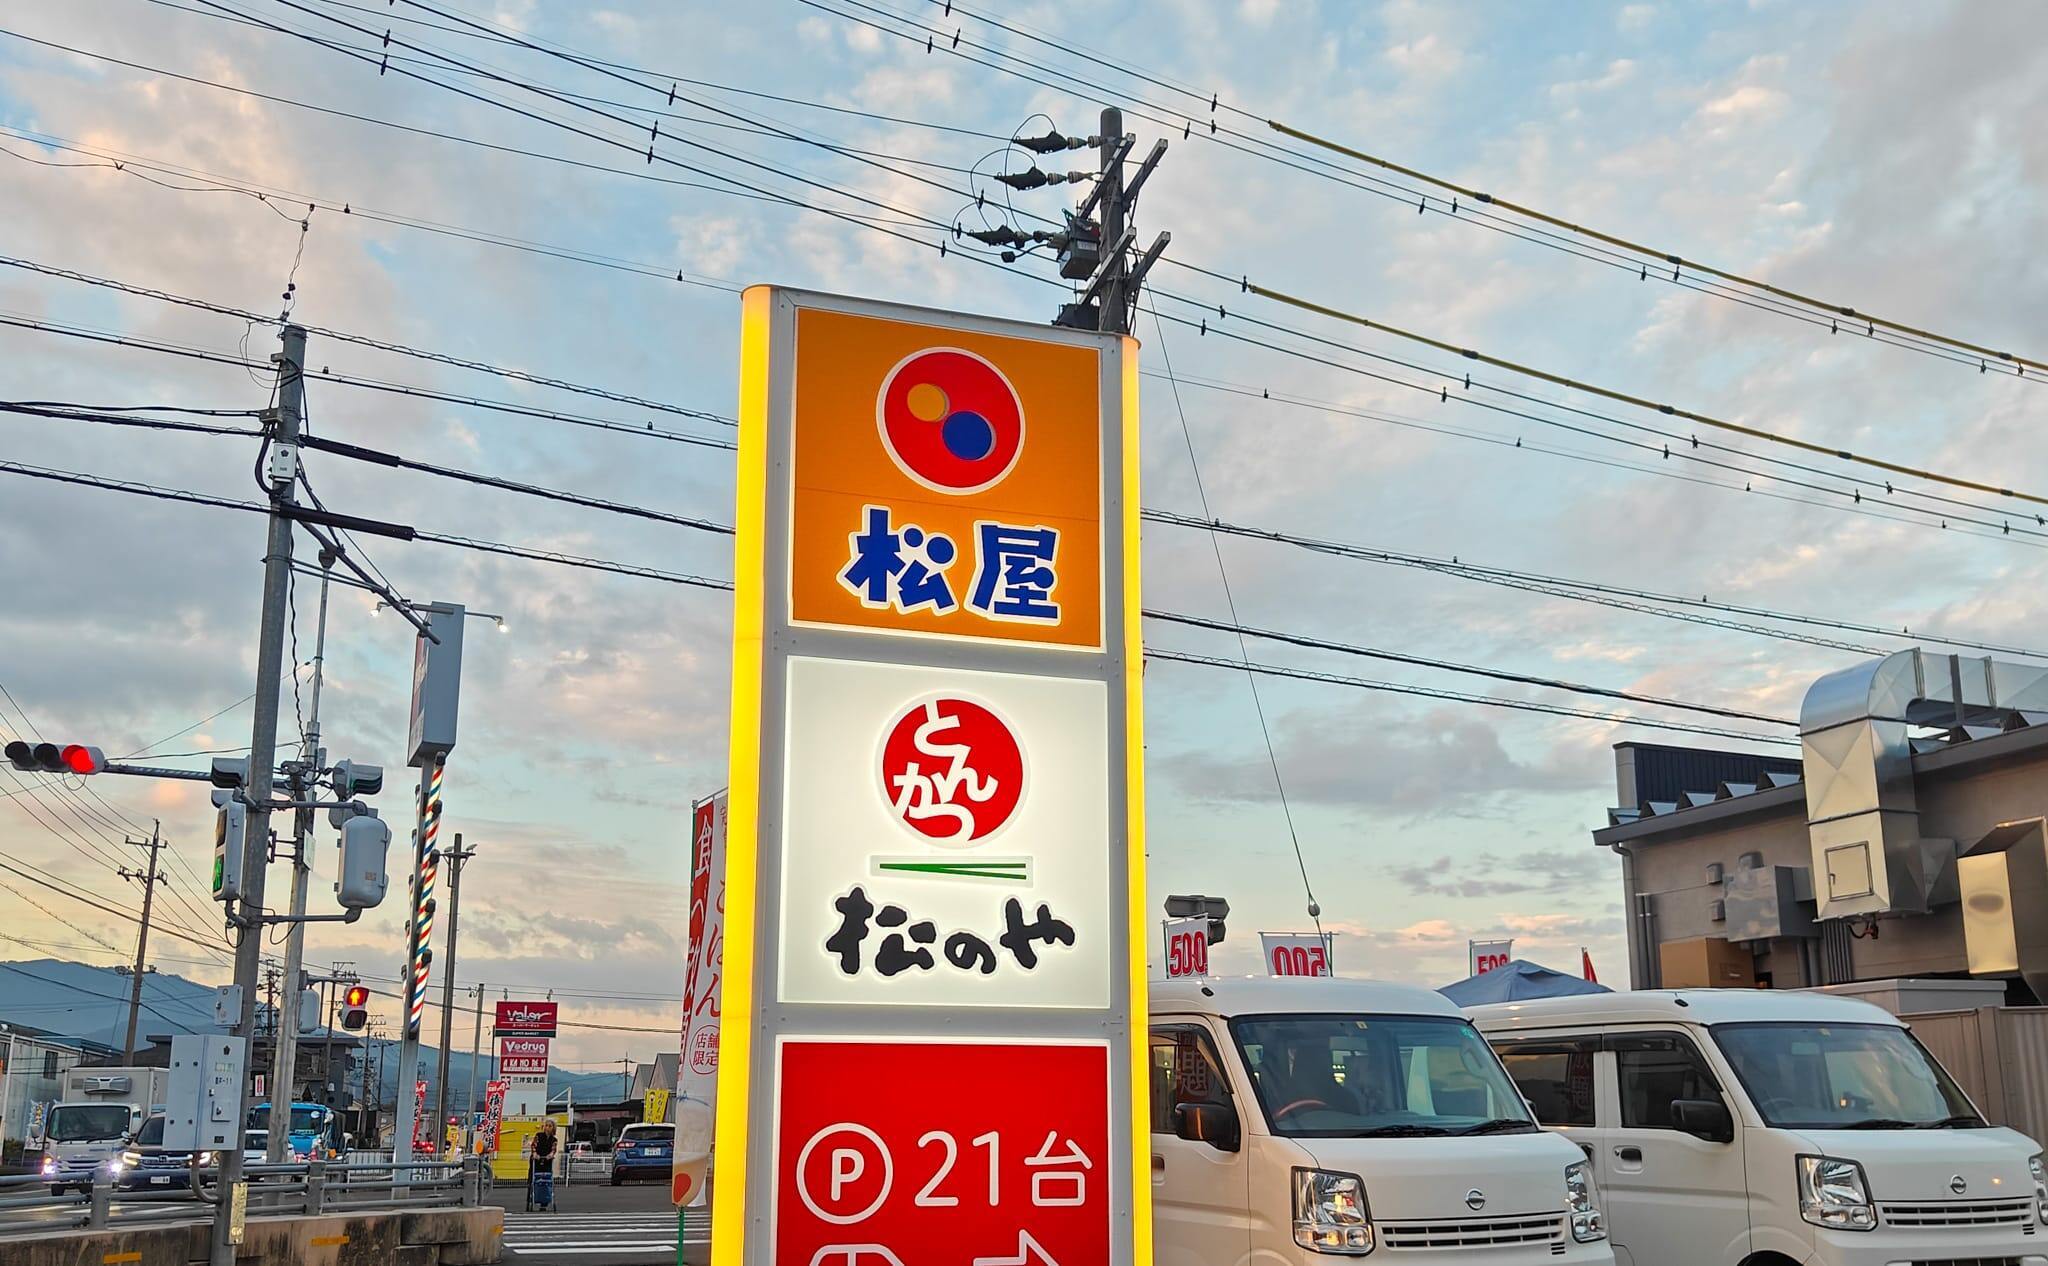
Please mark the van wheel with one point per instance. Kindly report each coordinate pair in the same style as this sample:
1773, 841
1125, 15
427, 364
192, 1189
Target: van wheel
1768, 1259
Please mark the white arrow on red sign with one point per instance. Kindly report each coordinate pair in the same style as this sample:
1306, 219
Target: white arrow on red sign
1028, 1251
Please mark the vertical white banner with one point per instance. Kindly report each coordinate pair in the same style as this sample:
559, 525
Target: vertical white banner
1489, 955
1297, 954
696, 1096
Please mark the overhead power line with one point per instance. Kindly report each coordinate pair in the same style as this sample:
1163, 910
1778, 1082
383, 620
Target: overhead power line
1623, 397
1467, 205
363, 340
650, 573
1454, 696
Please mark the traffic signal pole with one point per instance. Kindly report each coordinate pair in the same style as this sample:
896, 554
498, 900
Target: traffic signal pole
282, 453
284, 1068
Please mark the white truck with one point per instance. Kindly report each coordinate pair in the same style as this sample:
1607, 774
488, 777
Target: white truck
98, 1112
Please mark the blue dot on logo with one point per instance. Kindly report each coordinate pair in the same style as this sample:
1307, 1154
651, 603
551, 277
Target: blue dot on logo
968, 435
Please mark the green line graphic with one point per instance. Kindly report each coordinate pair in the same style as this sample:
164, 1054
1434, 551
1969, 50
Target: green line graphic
1006, 871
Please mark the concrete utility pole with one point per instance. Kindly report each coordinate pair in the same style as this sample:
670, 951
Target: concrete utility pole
1116, 312
283, 466
284, 1066
456, 856
476, 1042
150, 877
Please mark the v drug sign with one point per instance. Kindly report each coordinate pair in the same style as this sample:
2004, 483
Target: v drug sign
934, 855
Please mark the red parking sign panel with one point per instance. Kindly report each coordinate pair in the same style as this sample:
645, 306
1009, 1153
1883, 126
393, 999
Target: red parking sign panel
895, 1153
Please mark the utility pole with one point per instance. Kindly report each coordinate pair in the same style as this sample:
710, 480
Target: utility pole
150, 877
1115, 318
476, 1044
284, 1065
282, 472
456, 856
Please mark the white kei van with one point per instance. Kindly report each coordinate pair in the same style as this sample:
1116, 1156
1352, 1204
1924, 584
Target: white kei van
1740, 1127
1297, 1120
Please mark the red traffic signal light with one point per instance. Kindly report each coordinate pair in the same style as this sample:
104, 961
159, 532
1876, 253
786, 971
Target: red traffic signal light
80, 759
355, 1007
49, 758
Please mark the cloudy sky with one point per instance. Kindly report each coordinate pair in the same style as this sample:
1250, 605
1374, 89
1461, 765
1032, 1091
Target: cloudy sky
1882, 155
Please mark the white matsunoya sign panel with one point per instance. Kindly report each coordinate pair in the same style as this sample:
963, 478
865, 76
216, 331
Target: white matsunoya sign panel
951, 845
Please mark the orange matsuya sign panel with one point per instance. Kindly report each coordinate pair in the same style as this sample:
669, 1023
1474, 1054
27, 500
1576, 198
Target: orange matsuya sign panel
946, 483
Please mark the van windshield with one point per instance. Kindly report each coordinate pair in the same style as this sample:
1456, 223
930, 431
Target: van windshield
1843, 1077
1363, 1076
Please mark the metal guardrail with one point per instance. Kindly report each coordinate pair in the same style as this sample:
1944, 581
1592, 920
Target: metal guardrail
27, 1205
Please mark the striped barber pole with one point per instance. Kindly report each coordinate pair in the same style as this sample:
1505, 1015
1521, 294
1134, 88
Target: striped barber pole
423, 900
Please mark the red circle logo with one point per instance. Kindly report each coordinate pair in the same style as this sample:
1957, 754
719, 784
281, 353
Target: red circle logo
950, 420
952, 770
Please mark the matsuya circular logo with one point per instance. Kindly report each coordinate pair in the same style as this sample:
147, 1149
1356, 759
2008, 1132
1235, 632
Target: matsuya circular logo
950, 420
952, 770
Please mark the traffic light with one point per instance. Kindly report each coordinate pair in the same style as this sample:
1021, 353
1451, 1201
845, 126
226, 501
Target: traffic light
360, 880
230, 830
229, 772
51, 758
1214, 909
309, 1010
355, 1008
354, 778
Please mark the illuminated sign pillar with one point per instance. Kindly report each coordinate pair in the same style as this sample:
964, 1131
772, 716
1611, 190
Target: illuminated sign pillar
932, 1051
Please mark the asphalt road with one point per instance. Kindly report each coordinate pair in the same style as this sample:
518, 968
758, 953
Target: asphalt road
596, 1224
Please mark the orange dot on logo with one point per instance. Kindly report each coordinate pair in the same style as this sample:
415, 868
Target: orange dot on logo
927, 402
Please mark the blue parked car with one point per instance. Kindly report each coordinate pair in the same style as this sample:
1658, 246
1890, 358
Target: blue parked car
644, 1151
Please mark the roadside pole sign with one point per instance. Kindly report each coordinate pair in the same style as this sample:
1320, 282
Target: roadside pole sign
1297, 954
934, 848
1489, 955
696, 1086
1187, 947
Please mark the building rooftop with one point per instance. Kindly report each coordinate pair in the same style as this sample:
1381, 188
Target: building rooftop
1680, 780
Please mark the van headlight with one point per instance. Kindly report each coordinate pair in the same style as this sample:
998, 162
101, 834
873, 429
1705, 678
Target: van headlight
1834, 1194
2034, 1167
1330, 1213
49, 1166
205, 1159
1587, 1224
130, 1160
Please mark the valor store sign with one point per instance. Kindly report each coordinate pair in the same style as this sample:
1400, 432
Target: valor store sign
935, 805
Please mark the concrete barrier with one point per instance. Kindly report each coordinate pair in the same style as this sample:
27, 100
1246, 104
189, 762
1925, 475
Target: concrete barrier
384, 1237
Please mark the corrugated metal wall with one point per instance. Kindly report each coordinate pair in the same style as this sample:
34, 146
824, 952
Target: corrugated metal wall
1999, 1056
2023, 1058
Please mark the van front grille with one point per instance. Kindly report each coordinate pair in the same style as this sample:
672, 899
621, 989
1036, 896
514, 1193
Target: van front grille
1959, 1213
1474, 1232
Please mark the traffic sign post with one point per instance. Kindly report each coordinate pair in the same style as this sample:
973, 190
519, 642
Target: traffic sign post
931, 1046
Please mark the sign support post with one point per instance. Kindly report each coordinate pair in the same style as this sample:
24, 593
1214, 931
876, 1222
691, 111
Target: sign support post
934, 866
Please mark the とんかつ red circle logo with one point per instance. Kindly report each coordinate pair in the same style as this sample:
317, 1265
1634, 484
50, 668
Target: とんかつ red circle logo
952, 770
950, 420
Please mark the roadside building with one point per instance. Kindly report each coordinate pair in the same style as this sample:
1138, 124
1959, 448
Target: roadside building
32, 1068
1906, 840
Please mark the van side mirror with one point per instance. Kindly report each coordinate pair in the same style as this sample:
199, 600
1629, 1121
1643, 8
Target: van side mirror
1707, 1119
1211, 1123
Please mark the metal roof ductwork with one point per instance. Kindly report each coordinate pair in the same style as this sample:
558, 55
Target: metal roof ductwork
2004, 881
1863, 821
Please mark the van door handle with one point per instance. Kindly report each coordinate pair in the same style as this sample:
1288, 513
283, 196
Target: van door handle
1158, 1163
1633, 1155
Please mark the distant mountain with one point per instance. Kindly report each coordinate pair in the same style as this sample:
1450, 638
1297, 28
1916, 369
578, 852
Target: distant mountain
76, 1000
